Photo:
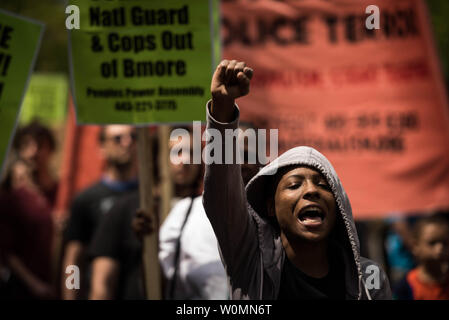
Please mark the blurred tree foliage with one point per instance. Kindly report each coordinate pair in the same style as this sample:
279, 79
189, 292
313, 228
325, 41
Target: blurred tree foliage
53, 53
439, 12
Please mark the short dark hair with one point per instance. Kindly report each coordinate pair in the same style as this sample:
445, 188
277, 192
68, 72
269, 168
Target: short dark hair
101, 137
36, 130
436, 218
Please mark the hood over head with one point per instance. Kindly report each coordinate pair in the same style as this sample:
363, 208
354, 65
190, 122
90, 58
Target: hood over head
260, 186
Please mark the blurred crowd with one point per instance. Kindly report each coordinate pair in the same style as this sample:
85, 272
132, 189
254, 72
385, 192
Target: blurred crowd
103, 230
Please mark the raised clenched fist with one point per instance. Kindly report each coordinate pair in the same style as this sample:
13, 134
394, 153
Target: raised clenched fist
230, 81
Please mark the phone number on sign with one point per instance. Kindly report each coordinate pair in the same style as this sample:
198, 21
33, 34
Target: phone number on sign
146, 105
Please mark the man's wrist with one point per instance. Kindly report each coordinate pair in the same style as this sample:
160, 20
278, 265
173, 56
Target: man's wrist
222, 109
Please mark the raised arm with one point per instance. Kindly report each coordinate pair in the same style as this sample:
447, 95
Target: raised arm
224, 195
230, 81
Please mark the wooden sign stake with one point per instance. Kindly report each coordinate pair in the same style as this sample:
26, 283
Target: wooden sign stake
150, 250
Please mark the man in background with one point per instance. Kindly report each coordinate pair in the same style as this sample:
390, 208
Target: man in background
118, 148
189, 255
116, 251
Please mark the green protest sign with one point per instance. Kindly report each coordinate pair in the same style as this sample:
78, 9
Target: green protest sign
216, 31
45, 99
19, 43
142, 62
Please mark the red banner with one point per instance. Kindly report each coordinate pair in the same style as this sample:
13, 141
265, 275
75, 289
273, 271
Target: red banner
372, 101
81, 161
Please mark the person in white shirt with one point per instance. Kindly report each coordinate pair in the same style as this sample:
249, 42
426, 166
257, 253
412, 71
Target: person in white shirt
189, 254
188, 249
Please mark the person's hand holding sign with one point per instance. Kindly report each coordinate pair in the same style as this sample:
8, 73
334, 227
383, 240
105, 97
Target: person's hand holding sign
230, 81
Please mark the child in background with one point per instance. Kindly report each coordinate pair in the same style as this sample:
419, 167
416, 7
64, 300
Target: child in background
430, 279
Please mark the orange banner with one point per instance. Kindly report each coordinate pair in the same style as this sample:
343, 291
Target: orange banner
372, 101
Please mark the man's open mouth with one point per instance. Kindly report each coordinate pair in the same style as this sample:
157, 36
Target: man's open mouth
311, 215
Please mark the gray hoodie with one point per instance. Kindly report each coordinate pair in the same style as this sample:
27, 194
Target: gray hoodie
250, 244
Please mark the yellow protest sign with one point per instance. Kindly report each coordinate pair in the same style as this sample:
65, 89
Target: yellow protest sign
19, 43
142, 62
45, 99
